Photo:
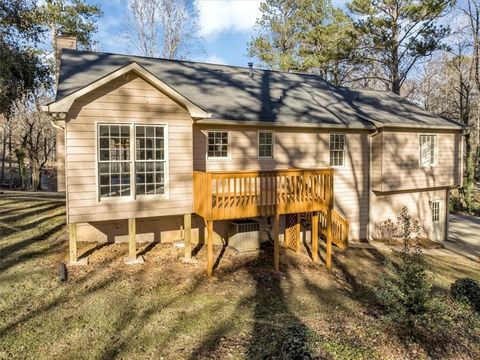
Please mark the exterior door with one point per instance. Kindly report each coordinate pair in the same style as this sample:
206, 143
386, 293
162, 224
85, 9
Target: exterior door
438, 221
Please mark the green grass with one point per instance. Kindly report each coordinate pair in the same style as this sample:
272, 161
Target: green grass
168, 309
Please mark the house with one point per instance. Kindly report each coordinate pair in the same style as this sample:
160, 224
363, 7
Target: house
160, 150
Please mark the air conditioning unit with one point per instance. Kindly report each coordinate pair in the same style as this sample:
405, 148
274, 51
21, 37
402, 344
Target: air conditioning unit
244, 235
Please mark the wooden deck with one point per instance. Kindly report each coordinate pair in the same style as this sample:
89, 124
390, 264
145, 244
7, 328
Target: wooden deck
236, 195
247, 194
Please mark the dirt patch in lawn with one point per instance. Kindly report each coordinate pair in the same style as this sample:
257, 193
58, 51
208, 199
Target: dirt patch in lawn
166, 308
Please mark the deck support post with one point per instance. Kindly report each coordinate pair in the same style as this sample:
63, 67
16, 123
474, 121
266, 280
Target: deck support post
132, 244
210, 248
315, 237
328, 259
72, 242
297, 234
276, 245
187, 235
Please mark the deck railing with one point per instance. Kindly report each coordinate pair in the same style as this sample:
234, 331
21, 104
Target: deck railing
340, 228
234, 195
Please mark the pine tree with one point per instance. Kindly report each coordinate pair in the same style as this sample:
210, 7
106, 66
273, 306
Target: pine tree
397, 34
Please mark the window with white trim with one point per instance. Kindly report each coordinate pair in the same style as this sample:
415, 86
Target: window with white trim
149, 159
114, 160
115, 164
428, 149
218, 145
337, 149
266, 143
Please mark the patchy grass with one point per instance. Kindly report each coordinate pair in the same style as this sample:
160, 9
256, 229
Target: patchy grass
165, 308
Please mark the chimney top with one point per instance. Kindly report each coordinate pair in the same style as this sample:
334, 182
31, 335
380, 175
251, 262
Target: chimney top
65, 41
62, 41
250, 69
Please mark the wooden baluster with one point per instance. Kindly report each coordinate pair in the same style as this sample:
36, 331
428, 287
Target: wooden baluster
235, 205
209, 186
275, 193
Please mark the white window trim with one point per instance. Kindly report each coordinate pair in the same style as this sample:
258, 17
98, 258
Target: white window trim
344, 148
166, 193
133, 196
229, 147
97, 162
273, 145
435, 150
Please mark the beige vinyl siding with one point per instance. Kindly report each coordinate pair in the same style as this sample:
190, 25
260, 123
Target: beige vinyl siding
388, 206
377, 154
126, 100
396, 164
60, 158
298, 148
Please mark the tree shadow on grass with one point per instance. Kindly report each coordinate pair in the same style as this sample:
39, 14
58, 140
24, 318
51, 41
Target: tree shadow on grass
17, 209
277, 333
30, 213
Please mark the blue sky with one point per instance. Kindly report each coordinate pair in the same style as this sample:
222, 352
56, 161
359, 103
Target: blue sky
226, 28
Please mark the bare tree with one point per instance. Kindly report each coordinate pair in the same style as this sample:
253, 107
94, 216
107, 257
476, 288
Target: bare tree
166, 28
36, 138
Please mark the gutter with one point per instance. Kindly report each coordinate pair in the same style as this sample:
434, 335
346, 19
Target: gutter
212, 121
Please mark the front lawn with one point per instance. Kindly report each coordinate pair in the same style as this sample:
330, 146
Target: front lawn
165, 308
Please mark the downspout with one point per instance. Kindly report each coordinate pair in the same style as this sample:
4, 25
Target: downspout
370, 182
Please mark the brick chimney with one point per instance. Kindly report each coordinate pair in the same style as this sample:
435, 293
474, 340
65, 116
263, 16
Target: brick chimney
62, 41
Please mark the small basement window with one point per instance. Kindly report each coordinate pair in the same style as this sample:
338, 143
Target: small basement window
337, 149
428, 149
114, 160
218, 146
266, 143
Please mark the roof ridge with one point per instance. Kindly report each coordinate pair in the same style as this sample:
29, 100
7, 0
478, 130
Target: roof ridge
200, 62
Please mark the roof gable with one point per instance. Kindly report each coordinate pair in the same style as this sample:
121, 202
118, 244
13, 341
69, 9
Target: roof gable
63, 105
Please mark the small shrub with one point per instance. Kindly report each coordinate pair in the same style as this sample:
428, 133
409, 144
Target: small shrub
466, 291
405, 294
387, 230
455, 204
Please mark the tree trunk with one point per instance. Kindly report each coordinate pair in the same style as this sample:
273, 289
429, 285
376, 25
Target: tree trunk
36, 170
10, 162
4, 153
469, 173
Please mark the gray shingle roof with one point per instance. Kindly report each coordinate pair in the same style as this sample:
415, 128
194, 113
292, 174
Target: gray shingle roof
229, 93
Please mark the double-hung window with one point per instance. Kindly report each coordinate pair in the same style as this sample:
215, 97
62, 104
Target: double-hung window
266, 143
218, 146
428, 149
114, 160
337, 149
123, 174
149, 159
